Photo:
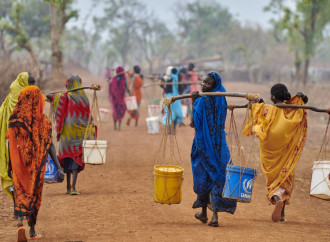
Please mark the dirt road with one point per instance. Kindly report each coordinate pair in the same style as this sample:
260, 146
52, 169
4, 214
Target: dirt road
116, 201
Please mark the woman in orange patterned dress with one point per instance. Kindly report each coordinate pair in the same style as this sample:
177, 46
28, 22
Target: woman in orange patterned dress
134, 89
30, 141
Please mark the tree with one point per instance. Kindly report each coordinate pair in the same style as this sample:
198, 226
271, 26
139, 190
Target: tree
120, 21
61, 12
304, 29
22, 25
155, 41
202, 23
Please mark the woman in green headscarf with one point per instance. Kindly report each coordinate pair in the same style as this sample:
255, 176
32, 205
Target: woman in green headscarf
23, 80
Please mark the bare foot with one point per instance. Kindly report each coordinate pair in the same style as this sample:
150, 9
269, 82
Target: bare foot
21, 237
213, 223
201, 217
276, 216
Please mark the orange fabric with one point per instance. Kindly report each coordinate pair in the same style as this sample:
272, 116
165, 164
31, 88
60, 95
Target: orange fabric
136, 91
29, 136
282, 135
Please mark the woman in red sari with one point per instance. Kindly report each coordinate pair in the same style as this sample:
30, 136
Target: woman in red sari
117, 96
134, 89
30, 141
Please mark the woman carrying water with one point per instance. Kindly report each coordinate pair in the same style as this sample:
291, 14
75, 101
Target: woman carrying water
282, 135
134, 89
72, 115
172, 76
117, 96
210, 154
30, 141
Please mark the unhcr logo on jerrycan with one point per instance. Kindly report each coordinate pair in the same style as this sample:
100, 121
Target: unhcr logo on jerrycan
51, 173
247, 188
239, 183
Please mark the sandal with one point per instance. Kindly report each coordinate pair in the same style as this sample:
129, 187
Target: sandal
75, 193
203, 220
36, 236
21, 237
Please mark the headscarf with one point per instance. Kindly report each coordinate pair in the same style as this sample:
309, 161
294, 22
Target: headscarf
175, 79
72, 114
176, 110
29, 136
168, 73
117, 94
210, 153
5, 111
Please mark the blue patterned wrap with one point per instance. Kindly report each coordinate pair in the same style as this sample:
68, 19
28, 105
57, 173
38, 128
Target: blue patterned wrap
210, 154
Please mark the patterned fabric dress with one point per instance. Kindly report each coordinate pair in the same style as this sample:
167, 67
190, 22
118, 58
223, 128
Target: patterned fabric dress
117, 89
29, 136
210, 154
282, 135
135, 90
6, 109
72, 114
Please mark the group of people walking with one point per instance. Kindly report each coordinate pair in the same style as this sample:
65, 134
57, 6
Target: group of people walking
129, 83
282, 134
122, 84
29, 133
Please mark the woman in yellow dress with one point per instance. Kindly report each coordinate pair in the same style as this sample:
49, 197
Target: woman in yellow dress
23, 80
282, 135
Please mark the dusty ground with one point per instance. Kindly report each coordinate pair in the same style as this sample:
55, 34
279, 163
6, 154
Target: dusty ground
116, 201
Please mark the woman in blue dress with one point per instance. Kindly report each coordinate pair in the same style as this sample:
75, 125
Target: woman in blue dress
172, 76
210, 154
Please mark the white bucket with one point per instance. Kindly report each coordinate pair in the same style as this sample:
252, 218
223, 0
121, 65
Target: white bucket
184, 109
153, 125
320, 185
94, 151
131, 103
154, 110
104, 114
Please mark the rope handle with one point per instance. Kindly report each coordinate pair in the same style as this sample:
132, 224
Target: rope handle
95, 105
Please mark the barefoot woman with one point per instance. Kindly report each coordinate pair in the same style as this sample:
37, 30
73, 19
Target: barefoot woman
72, 114
29, 135
282, 135
210, 154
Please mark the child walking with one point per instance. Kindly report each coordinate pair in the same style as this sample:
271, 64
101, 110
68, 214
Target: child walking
210, 154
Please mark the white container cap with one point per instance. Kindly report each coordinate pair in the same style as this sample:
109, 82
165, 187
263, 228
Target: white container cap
152, 119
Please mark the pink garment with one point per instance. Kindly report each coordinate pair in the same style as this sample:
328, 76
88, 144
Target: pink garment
117, 94
108, 74
193, 87
193, 78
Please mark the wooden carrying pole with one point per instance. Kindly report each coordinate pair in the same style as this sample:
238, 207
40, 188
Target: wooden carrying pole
95, 87
315, 109
248, 96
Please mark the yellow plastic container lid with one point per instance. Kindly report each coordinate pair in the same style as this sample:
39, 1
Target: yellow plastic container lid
168, 169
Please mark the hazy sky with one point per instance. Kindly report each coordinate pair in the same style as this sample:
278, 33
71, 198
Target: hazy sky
244, 10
